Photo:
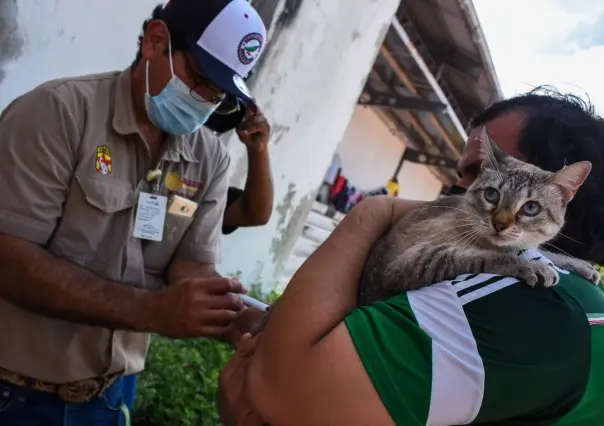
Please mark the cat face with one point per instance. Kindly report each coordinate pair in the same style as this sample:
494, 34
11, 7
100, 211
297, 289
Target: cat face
520, 205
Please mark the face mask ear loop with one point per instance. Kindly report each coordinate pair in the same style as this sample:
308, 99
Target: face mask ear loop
170, 54
171, 64
147, 78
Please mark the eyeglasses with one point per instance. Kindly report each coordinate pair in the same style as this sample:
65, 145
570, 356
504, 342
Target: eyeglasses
229, 105
225, 104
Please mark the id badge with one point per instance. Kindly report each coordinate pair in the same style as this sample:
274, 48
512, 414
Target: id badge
150, 217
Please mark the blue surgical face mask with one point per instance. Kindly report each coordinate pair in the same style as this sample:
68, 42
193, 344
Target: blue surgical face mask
174, 110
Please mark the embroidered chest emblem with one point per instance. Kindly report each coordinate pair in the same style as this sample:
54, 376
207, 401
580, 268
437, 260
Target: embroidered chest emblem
103, 160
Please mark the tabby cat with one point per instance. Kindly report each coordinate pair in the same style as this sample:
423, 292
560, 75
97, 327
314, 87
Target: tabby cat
510, 207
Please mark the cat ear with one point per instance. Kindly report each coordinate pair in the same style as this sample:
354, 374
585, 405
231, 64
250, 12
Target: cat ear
489, 152
570, 178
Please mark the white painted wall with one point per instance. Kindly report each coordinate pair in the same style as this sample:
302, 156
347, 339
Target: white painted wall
72, 37
370, 152
308, 88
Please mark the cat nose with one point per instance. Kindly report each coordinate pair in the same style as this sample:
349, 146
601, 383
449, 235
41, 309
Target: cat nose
500, 226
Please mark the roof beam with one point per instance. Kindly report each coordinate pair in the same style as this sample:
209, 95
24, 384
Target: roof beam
374, 98
405, 135
414, 134
411, 87
398, 28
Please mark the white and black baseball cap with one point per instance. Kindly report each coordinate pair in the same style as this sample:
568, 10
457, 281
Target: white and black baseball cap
224, 37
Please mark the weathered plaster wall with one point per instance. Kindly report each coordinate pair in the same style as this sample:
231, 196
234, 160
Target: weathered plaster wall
317, 61
58, 38
11, 40
308, 86
370, 152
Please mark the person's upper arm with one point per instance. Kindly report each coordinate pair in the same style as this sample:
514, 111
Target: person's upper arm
201, 242
322, 389
233, 214
38, 152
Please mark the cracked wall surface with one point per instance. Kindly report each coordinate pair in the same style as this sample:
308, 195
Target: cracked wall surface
45, 39
11, 39
308, 83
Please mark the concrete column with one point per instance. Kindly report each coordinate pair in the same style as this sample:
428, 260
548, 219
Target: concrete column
308, 86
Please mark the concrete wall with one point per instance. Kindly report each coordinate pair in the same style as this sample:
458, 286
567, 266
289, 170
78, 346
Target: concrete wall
308, 83
42, 40
370, 152
308, 86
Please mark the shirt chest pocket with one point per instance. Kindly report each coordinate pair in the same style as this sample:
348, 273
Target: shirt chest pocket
97, 219
158, 254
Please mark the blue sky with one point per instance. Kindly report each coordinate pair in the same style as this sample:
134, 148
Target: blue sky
553, 42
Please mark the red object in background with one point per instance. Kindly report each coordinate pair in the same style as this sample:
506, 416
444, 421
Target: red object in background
337, 186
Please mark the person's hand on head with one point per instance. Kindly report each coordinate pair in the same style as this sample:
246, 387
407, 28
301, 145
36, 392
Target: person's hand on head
254, 130
198, 307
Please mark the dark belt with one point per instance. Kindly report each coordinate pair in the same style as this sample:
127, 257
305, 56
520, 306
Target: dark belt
73, 392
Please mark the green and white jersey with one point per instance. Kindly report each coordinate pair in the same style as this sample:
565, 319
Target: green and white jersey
486, 349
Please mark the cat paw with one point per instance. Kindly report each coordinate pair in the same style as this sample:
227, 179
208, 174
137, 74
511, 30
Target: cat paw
584, 270
537, 274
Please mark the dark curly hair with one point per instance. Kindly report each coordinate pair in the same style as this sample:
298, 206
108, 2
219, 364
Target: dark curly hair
561, 129
177, 41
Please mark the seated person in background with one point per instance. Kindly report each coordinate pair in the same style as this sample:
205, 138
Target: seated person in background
508, 355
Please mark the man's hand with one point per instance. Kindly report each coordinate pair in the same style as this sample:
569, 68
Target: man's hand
249, 320
254, 131
197, 307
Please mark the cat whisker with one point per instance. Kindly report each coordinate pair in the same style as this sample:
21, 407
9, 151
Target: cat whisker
438, 219
471, 240
560, 250
572, 239
447, 230
455, 208
461, 236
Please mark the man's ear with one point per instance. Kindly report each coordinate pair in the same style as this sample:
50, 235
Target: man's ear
570, 178
155, 39
489, 152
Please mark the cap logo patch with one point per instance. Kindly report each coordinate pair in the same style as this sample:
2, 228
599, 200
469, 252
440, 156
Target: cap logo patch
249, 48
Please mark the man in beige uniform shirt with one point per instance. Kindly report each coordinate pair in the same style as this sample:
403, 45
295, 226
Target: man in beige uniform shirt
111, 209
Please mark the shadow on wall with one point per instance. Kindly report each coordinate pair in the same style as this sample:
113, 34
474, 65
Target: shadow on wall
11, 41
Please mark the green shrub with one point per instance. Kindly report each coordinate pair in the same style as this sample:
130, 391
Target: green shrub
179, 384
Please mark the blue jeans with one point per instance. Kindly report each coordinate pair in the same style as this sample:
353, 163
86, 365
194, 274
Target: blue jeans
26, 407
130, 390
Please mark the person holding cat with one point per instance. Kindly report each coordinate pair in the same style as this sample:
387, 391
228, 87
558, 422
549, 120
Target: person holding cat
482, 349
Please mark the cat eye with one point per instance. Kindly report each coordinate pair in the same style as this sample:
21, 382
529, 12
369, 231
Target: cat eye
491, 195
531, 208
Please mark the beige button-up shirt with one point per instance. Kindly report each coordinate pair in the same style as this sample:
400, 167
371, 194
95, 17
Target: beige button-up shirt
72, 165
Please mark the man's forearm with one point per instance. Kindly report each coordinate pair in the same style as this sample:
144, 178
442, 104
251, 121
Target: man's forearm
257, 198
32, 278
